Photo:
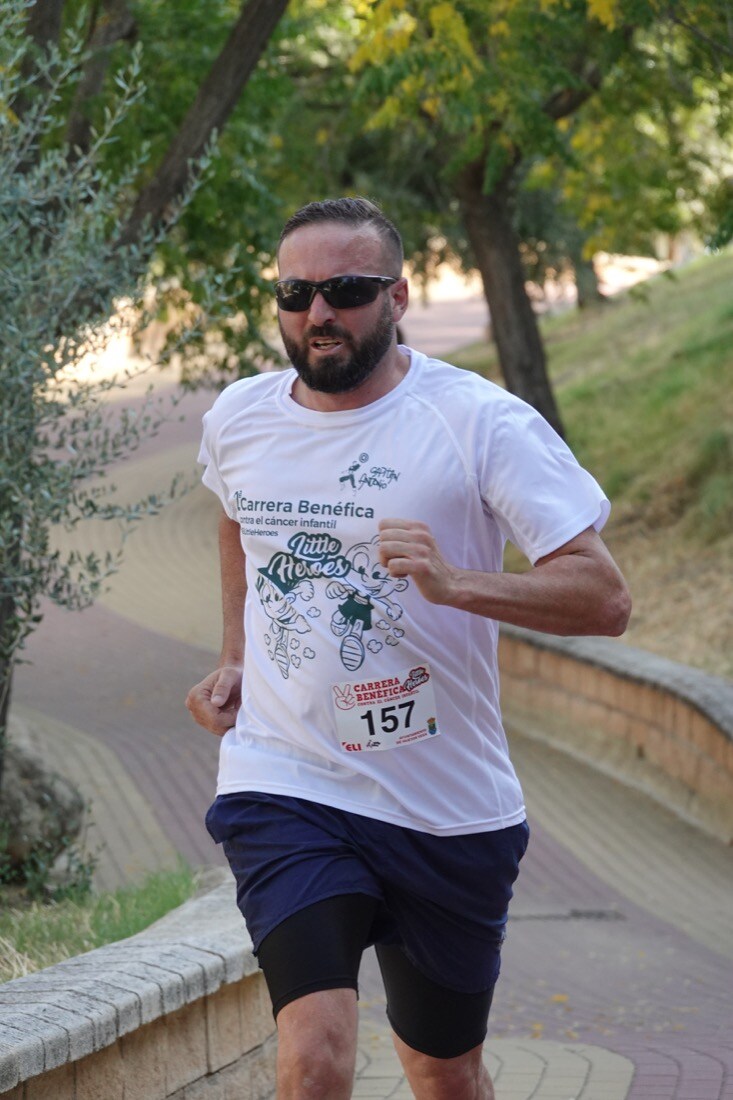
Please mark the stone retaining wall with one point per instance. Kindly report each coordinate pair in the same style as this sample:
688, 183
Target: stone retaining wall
656, 724
180, 1011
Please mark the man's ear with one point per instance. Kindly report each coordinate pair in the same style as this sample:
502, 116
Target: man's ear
400, 293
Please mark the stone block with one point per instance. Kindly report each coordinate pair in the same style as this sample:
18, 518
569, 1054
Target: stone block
617, 724
113, 1009
711, 740
682, 722
185, 968
650, 704
576, 677
186, 1046
224, 1026
653, 741
677, 760
101, 1076
578, 713
209, 1088
160, 991
628, 697
549, 666
688, 760
59, 1084
237, 1080
135, 986
144, 1059
598, 717
517, 695
641, 735
550, 700
607, 687
14, 1094
263, 1070
713, 785
14, 1067
258, 1024
714, 805
517, 658
42, 1044
506, 653
87, 1019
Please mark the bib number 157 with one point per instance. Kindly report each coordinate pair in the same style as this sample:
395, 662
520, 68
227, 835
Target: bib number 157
388, 719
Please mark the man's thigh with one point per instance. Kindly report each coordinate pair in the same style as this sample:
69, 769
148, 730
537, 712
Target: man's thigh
286, 855
429, 1017
318, 948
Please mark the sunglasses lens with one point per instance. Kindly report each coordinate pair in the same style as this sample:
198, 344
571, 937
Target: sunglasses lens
351, 291
294, 295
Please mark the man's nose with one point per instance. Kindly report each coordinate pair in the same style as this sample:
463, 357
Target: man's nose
320, 311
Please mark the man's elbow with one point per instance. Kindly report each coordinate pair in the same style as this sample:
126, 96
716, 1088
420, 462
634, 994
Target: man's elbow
616, 610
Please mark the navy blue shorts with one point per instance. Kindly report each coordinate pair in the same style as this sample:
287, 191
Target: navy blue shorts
444, 900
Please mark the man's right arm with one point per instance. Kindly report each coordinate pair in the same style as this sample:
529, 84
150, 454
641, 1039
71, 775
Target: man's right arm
214, 702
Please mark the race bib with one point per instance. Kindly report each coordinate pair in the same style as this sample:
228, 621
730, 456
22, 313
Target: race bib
373, 715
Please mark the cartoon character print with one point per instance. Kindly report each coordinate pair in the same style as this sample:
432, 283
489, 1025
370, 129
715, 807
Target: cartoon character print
285, 622
348, 475
367, 587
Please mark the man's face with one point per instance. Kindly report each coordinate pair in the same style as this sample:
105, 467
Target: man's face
335, 350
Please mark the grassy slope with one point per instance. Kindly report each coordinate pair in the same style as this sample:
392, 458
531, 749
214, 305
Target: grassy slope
645, 386
33, 936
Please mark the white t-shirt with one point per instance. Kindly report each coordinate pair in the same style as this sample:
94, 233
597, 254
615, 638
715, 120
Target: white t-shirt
358, 692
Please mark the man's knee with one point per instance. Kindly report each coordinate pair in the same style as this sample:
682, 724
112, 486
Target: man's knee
317, 1046
461, 1078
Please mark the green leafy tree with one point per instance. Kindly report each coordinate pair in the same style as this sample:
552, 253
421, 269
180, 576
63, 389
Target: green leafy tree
492, 86
648, 153
195, 63
487, 84
78, 234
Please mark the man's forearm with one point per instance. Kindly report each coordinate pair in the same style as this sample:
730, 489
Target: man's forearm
577, 589
569, 595
233, 591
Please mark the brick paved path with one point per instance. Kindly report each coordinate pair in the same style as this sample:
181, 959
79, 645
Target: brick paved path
618, 971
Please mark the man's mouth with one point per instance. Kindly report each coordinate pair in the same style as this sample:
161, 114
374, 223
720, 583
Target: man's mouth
321, 343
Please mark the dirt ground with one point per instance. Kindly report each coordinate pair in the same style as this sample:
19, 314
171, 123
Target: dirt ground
683, 596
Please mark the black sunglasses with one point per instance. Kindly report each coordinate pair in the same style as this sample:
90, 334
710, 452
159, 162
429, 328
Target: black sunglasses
342, 292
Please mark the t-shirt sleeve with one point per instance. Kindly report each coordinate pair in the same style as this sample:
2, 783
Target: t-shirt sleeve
211, 476
533, 485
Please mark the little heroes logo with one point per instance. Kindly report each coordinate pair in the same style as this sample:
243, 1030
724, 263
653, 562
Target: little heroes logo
417, 677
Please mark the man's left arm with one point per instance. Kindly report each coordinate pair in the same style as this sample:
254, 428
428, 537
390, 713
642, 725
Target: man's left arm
577, 589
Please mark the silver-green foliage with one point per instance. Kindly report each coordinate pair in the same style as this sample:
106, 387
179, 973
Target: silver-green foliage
62, 277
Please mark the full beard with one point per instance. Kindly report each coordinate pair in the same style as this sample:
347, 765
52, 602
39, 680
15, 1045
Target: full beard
334, 374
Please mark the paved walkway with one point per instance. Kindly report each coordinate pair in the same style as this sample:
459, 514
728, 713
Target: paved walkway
618, 970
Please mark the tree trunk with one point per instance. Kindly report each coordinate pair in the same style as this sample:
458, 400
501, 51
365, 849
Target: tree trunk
488, 222
115, 24
216, 99
44, 22
43, 27
6, 677
9, 567
586, 281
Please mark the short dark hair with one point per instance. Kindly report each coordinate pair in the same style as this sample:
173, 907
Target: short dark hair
356, 211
